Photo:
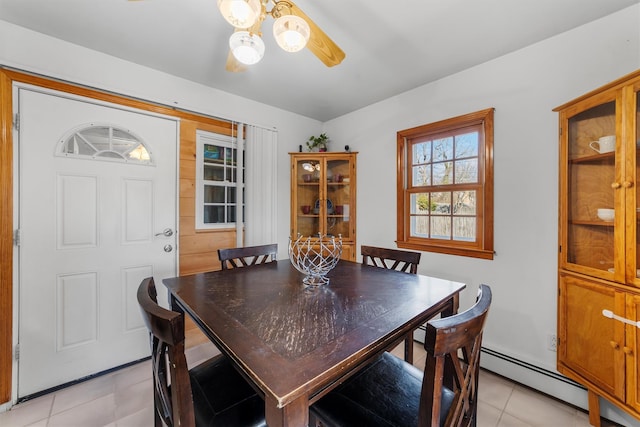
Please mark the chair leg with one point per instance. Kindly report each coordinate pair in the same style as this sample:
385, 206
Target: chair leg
408, 348
157, 420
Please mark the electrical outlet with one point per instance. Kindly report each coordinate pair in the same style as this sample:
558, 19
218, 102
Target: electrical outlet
552, 342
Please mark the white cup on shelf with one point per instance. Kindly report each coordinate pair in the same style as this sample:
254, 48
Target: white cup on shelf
606, 214
606, 144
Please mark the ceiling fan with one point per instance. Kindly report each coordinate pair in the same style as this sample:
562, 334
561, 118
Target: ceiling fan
292, 29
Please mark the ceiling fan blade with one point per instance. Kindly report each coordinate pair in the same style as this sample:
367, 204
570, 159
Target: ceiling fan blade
319, 43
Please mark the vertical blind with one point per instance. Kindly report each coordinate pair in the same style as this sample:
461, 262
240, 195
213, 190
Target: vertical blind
261, 186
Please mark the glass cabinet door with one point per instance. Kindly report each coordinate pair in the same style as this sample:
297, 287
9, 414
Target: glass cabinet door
322, 199
307, 197
635, 142
338, 198
592, 189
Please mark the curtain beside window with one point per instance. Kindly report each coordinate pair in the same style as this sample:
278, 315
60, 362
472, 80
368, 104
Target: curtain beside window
261, 186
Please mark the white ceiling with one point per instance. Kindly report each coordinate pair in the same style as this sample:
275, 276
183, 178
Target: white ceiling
390, 47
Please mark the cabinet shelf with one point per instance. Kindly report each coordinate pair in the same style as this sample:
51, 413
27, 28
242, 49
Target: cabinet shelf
593, 158
592, 222
330, 183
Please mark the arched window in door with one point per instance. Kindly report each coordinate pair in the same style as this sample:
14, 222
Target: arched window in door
104, 142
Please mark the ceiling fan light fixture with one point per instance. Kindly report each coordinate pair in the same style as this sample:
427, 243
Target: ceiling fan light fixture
246, 47
240, 13
291, 33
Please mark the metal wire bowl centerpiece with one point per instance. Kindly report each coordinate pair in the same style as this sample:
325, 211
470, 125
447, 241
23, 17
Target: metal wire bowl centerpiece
315, 257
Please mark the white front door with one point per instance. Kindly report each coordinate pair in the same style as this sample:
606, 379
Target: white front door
91, 228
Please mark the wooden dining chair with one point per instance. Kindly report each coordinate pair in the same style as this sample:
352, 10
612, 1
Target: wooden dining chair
391, 392
394, 259
247, 256
210, 394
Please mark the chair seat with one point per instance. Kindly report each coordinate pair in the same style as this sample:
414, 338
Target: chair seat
221, 397
371, 397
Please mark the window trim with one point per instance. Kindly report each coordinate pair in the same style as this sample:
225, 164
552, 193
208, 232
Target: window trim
483, 248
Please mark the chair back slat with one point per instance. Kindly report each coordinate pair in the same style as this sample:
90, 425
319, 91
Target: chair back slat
392, 259
453, 361
247, 256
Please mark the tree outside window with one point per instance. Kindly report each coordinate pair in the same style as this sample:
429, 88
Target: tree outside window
445, 186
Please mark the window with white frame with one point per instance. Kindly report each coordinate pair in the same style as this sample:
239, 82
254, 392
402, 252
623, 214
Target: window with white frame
219, 180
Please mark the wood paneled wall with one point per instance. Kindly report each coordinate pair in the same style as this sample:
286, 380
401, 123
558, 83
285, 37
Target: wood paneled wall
197, 250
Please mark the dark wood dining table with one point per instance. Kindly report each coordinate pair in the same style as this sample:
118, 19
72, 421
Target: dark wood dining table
295, 343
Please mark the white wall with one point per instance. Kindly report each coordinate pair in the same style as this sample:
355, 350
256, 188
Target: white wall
524, 87
34, 52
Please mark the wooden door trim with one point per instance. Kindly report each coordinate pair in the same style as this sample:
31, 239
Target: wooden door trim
7, 78
6, 238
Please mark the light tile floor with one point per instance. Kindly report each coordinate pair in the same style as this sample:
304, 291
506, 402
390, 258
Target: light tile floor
124, 399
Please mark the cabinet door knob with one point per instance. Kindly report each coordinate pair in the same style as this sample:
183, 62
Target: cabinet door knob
614, 345
627, 350
615, 185
627, 184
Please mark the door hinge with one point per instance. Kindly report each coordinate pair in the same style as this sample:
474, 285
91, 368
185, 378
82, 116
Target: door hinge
17, 352
16, 237
16, 121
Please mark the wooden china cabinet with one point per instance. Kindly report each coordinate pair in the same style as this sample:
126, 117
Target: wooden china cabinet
599, 256
323, 197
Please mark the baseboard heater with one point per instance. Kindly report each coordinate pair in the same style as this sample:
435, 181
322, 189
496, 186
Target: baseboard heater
553, 375
421, 331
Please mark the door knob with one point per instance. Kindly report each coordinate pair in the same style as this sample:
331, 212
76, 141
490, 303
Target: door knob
168, 248
167, 232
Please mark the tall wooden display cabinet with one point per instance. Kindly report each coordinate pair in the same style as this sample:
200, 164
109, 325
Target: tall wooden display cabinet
323, 197
599, 242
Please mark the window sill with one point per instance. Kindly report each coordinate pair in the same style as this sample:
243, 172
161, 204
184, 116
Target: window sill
468, 252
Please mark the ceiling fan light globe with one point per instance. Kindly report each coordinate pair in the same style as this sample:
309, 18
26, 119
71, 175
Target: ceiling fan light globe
240, 13
246, 48
291, 33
